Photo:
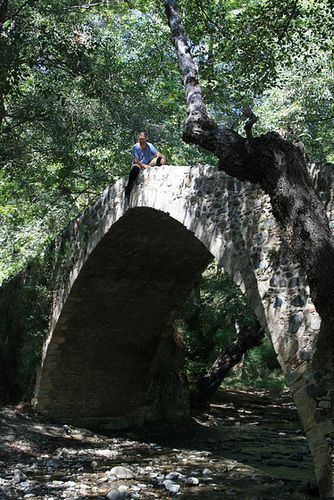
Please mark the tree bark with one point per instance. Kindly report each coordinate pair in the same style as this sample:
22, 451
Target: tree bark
277, 165
248, 338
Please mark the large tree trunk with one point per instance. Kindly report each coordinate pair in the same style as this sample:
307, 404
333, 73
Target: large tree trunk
274, 163
248, 337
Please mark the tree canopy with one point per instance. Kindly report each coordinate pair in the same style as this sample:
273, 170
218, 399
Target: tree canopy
80, 79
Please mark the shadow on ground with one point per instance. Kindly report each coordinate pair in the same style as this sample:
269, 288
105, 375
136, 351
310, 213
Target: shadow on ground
246, 445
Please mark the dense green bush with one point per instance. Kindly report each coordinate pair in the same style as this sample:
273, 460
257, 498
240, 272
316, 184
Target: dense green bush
25, 312
259, 368
208, 325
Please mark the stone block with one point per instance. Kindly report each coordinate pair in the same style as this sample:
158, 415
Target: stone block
45, 385
325, 404
317, 435
320, 461
56, 339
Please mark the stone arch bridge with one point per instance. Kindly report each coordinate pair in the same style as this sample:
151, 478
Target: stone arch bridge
135, 263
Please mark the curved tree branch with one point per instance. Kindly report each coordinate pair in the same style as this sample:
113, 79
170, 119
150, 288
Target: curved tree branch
277, 165
248, 337
251, 120
288, 22
211, 21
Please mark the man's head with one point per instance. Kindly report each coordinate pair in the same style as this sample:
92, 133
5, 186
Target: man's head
142, 139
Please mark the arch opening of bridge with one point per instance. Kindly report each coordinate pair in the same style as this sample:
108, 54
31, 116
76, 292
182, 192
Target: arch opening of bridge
108, 340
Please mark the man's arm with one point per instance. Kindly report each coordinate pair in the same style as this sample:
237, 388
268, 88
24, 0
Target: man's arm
140, 163
163, 158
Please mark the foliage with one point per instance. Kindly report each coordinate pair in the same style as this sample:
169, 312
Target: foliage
26, 304
72, 104
79, 80
259, 368
209, 323
34, 309
276, 57
25, 312
302, 104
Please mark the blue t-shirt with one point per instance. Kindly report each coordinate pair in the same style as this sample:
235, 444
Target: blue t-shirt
144, 155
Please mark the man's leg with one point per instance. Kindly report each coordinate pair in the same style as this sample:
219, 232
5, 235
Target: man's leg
132, 177
156, 162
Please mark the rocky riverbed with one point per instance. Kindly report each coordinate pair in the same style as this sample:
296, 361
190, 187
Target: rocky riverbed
249, 445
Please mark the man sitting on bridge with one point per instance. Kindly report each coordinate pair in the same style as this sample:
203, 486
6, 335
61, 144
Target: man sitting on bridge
142, 153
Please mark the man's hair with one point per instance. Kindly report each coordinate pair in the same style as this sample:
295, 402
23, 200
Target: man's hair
142, 133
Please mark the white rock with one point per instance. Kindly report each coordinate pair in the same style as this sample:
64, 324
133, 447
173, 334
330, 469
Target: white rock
123, 488
172, 475
207, 471
114, 494
167, 483
70, 484
122, 473
171, 486
174, 489
19, 476
192, 481
142, 486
